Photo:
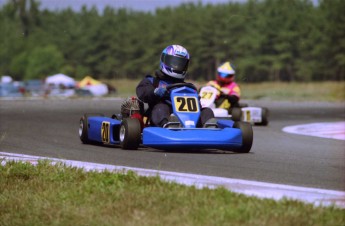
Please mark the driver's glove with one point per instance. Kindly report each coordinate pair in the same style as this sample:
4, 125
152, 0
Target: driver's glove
161, 92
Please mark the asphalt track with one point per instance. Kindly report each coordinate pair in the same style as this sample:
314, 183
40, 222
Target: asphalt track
49, 128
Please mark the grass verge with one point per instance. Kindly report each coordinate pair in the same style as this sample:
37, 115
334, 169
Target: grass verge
314, 91
279, 91
58, 195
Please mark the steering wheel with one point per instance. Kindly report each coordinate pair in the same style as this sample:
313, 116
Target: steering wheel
177, 85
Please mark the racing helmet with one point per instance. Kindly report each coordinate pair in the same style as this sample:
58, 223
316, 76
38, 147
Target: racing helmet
225, 73
174, 61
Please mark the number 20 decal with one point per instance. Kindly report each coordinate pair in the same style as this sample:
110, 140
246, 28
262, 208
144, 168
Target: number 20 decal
105, 132
186, 104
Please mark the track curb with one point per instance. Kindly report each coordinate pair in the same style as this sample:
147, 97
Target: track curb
318, 197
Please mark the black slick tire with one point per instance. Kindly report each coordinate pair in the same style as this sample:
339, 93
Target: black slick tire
84, 126
247, 136
83, 130
236, 114
265, 114
130, 134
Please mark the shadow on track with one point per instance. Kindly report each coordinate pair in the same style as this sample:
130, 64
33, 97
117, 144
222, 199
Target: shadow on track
181, 151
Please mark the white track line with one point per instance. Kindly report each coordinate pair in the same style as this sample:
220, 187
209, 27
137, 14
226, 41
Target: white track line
334, 130
318, 197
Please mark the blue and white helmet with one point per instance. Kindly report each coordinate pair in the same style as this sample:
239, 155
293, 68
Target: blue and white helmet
174, 61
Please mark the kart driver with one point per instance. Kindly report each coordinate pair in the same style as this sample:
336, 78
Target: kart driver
225, 83
152, 90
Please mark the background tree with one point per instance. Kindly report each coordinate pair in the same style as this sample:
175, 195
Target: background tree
44, 61
268, 40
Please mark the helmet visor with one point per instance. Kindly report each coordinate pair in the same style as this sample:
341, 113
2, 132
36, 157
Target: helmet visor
176, 63
225, 75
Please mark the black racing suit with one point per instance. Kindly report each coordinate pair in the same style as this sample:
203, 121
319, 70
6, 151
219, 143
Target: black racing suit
159, 110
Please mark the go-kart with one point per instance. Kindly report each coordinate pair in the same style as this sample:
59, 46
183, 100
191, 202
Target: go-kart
211, 97
181, 132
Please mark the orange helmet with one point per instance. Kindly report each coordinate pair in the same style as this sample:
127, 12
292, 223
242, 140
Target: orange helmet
225, 73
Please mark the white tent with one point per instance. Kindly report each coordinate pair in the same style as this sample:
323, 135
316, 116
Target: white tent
97, 90
6, 79
60, 79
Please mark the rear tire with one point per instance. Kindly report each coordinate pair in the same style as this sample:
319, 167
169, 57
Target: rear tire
265, 114
236, 114
247, 136
130, 133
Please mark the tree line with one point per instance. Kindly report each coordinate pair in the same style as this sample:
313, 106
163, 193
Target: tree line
268, 40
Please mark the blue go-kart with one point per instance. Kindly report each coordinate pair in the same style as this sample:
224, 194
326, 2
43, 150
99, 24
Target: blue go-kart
180, 133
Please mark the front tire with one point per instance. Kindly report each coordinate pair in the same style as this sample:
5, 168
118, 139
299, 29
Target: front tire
84, 127
247, 136
83, 130
130, 134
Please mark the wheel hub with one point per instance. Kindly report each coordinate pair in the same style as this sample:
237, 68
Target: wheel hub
81, 127
122, 133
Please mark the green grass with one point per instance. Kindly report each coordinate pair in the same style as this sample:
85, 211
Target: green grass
279, 91
315, 91
60, 195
